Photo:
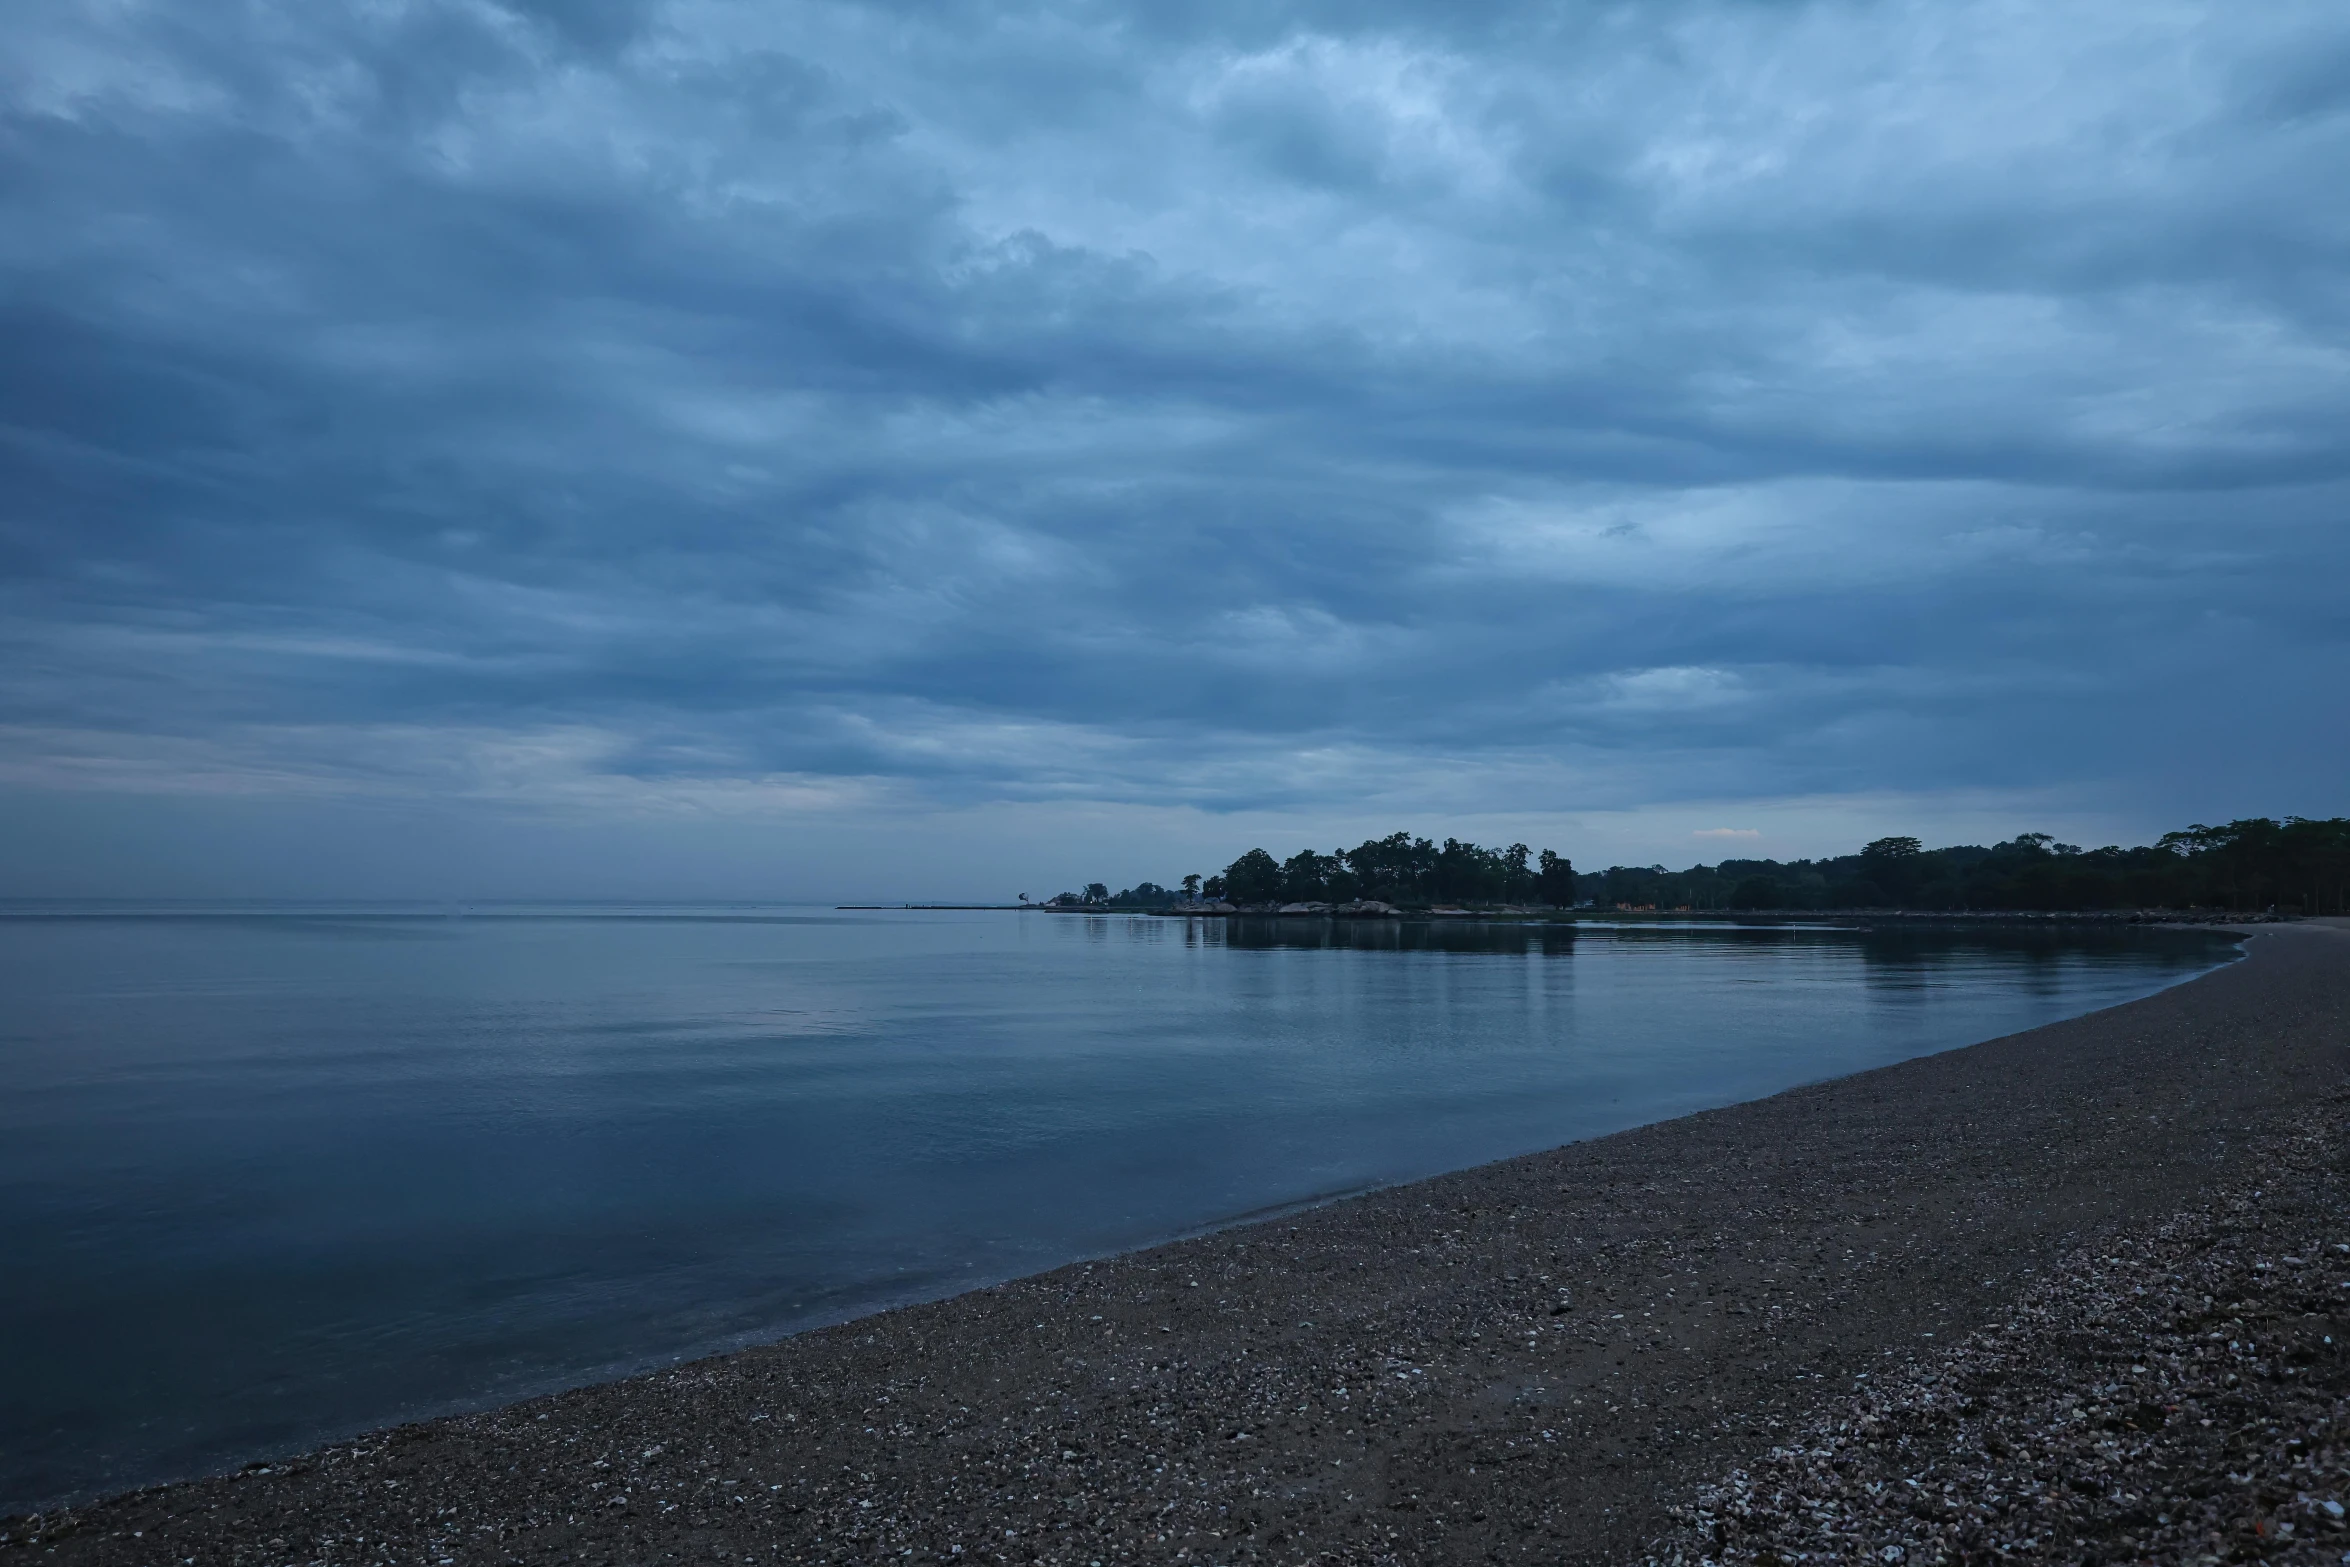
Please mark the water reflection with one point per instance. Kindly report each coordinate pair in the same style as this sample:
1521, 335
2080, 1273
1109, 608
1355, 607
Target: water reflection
265, 1176
1510, 938
1894, 957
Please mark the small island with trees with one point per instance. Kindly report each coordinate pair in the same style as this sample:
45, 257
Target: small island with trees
2293, 865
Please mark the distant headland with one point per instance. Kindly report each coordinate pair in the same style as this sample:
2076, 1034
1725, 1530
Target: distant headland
2292, 865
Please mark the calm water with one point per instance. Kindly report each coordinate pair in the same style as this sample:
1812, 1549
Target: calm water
266, 1177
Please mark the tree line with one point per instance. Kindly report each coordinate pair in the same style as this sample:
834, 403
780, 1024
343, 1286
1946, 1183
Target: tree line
2296, 865
1398, 869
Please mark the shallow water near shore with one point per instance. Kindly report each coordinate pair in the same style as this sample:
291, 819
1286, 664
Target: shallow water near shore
269, 1175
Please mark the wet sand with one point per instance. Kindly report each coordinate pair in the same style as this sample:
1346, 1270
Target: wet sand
1542, 1360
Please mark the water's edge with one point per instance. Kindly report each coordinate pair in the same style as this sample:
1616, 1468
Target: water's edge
947, 1286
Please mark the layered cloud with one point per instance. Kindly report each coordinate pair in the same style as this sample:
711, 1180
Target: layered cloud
623, 406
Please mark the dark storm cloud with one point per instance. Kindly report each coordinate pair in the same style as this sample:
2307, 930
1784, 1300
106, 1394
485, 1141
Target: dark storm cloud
1234, 405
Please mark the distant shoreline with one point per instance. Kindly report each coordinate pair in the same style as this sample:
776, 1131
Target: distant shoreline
2180, 917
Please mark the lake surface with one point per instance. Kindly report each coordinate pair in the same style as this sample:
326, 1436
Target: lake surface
271, 1176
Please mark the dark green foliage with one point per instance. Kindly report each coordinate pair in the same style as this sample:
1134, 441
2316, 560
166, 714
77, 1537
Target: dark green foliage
1142, 895
1253, 878
1555, 883
1396, 869
2298, 865
1308, 877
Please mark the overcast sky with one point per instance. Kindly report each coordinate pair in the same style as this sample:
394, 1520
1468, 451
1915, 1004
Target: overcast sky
578, 447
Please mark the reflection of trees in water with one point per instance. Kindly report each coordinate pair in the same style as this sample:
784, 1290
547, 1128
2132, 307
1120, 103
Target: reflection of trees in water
1931, 944
2039, 950
1904, 964
1385, 935
1891, 960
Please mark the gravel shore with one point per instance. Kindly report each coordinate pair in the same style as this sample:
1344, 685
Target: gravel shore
2177, 1397
1703, 1340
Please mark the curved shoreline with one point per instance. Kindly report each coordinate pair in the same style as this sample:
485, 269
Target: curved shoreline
1517, 1380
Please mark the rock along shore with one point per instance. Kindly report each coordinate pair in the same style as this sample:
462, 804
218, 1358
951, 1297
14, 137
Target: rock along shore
1602, 1353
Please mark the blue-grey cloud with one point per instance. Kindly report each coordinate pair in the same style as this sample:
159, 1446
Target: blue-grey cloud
1272, 407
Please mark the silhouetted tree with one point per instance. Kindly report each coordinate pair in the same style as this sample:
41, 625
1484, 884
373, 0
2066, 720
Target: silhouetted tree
1253, 878
1306, 876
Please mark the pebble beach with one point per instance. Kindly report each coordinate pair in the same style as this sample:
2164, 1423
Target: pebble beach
2075, 1294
